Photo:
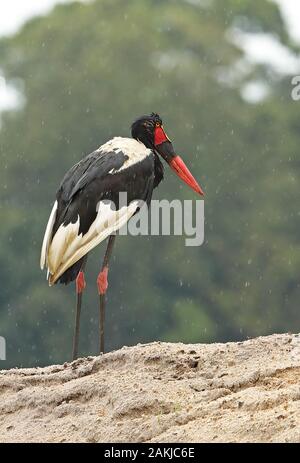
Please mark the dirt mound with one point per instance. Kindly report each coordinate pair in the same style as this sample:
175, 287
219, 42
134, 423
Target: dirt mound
160, 392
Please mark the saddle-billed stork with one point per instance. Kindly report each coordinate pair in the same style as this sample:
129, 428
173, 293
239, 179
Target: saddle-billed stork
83, 216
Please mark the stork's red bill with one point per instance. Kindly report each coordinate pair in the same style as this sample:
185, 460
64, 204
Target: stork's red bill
165, 148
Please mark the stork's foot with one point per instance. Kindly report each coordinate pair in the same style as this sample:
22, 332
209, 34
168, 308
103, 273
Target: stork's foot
102, 282
80, 283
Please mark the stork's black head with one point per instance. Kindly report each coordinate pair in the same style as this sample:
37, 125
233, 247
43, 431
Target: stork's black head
149, 130
143, 129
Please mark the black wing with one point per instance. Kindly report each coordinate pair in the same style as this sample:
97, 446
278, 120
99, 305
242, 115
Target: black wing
94, 166
99, 177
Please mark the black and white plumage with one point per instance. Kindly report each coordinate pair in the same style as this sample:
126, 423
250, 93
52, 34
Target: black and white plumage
88, 210
81, 217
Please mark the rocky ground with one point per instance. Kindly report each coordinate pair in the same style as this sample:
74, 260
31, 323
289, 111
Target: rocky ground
160, 392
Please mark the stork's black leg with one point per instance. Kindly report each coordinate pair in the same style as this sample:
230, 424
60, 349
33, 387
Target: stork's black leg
80, 286
102, 287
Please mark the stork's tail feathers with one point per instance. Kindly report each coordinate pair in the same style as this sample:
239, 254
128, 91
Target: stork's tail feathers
71, 274
47, 236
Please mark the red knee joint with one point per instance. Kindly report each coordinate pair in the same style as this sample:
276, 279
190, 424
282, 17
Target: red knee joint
102, 281
80, 283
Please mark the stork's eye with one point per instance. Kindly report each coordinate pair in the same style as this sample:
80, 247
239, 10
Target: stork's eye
157, 124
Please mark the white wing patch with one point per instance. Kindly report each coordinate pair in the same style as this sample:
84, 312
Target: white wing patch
63, 238
46, 240
134, 149
68, 246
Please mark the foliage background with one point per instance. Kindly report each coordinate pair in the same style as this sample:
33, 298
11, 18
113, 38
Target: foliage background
85, 71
